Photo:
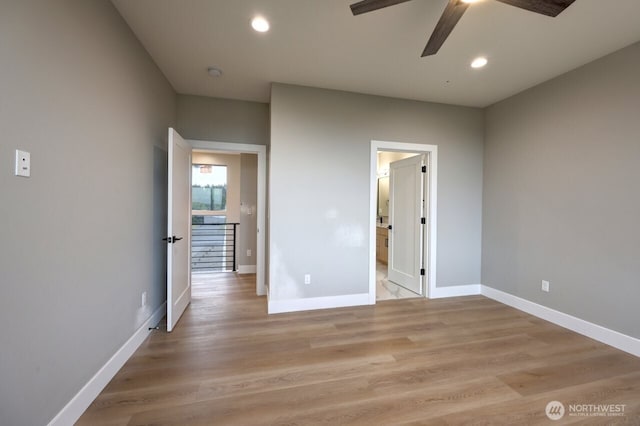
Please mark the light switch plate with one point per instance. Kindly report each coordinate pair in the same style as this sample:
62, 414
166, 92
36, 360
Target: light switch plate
23, 163
545, 286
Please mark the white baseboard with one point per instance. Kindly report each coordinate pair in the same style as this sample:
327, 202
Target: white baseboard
308, 304
455, 291
246, 269
81, 401
610, 337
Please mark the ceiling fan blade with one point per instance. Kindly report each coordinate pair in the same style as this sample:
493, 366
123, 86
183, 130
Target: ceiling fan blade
450, 17
545, 7
365, 6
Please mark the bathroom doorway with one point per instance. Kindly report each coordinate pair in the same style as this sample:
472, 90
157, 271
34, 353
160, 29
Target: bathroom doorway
403, 220
399, 243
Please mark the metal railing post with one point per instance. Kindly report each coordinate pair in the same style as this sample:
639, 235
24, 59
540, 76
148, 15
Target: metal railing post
234, 246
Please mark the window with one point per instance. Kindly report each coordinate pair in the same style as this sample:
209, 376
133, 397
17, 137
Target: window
208, 187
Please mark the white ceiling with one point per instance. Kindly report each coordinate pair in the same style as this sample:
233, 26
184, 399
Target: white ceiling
320, 43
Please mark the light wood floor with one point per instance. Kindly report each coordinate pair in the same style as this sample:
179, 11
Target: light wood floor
439, 362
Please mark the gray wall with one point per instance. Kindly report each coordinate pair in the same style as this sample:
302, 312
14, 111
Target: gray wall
82, 235
222, 120
247, 234
561, 199
319, 186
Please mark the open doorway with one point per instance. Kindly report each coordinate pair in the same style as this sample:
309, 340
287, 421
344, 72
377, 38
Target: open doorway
403, 220
228, 209
180, 209
214, 221
399, 242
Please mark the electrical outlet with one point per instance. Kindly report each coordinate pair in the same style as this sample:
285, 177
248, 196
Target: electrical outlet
307, 278
545, 286
249, 253
144, 299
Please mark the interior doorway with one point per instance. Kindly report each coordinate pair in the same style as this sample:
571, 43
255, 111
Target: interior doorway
231, 248
400, 233
215, 185
403, 220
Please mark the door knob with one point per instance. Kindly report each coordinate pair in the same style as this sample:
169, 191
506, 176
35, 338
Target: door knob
171, 240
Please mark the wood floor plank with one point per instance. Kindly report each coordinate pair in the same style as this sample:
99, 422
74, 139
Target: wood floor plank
288, 377
551, 377
118, 407
262, 407
393, 408
467, 360
531, 410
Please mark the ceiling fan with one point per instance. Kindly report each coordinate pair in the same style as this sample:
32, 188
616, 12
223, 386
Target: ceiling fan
454, 11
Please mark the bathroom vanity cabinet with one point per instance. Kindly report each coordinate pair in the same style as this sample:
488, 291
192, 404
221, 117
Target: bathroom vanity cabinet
382, 244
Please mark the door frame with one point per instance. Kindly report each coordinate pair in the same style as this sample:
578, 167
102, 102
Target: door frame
261, 151
429, 253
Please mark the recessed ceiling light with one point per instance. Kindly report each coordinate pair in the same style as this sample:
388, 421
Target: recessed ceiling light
479, 62
214, 72
469, 1
260, 24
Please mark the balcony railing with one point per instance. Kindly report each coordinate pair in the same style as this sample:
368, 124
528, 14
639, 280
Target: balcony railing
213, 247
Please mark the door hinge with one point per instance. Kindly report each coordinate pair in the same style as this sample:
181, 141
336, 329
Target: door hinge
423, 220
424, 169
422, 271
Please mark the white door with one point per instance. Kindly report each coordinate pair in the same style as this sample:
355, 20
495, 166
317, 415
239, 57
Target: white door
178, 228
406, 180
